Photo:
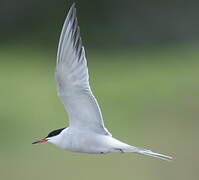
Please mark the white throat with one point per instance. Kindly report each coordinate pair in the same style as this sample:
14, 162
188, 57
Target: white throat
56, 140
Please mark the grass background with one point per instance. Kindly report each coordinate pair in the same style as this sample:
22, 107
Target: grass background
149, 98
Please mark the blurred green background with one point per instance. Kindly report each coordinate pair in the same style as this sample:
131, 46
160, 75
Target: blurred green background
144, 69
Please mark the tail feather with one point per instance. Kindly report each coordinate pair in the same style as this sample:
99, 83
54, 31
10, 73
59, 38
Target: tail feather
147, 152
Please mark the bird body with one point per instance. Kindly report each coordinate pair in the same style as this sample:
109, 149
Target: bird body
85, 141
86, 132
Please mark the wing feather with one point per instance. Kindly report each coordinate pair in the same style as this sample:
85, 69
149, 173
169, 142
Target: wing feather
73, 79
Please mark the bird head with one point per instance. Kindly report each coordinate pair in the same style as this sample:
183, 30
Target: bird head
51, 137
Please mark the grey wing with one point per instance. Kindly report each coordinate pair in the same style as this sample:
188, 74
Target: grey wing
73, 79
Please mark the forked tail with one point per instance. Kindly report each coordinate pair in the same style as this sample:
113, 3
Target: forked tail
146, 152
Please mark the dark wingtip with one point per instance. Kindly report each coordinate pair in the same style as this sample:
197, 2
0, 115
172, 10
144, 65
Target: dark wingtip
73, 5
71, 10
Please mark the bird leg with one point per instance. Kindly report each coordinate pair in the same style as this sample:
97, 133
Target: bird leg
118, 149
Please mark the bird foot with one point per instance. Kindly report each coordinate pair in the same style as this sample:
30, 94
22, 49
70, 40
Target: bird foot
119, 150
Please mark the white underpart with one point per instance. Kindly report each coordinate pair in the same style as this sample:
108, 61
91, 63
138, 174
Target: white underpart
86, 132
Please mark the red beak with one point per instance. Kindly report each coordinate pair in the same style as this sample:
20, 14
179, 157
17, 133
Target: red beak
40, 141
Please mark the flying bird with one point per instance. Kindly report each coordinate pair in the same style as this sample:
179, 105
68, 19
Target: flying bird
86, 132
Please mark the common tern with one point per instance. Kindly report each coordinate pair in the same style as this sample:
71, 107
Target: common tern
86, 132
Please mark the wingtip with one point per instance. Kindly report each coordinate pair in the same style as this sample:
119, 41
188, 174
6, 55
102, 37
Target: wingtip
73, 5
72, 9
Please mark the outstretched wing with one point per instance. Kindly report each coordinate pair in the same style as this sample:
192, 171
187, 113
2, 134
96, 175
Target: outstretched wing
73, 79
